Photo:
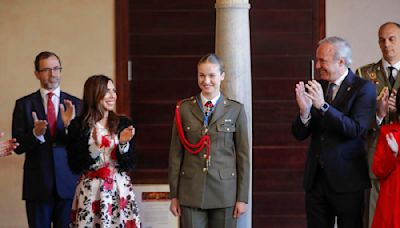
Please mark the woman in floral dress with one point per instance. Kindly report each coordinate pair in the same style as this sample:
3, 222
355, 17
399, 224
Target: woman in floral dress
101, 148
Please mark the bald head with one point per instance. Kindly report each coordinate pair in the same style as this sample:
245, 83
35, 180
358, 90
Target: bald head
389, 41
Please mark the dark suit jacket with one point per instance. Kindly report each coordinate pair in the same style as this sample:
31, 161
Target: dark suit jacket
78, 149
338, 136
46, 169
227, 180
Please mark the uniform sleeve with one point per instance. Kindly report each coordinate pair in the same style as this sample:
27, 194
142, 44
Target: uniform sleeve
175, 161
384, 160
242, 153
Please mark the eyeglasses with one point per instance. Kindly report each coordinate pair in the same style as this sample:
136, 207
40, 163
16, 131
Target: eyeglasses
48, 70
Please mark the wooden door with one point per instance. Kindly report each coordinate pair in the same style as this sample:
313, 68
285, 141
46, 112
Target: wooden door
164, 40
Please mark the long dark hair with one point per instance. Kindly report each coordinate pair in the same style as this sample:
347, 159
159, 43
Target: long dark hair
94, 91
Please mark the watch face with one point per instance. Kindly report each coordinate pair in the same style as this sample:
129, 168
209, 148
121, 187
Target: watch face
324, 107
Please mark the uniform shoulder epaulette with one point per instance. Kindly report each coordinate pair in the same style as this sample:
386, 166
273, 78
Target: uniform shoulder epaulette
191, 99
233, 100
368, 66
363, 70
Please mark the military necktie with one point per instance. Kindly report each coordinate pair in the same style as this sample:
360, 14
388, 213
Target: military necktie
208, 108
391, 76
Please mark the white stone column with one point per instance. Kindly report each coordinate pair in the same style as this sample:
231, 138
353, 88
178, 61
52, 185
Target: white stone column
232, 45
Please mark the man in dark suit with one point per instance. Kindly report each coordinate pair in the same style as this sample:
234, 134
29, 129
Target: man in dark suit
38, 125
336, 112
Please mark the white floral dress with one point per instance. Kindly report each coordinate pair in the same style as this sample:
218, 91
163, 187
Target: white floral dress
104, 196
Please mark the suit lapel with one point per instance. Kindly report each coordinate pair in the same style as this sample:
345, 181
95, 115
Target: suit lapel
60, 124
344, 89
38, 107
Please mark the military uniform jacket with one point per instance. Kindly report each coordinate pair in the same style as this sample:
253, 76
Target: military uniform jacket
375, 73
227, 179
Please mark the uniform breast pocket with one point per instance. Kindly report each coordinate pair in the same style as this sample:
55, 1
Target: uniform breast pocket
225, 134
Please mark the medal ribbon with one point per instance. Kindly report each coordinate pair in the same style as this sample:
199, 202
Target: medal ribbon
210, 111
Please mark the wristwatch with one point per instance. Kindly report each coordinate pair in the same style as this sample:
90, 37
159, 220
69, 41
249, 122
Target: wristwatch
324, 107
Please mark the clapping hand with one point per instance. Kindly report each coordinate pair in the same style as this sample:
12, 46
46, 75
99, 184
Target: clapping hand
391, 140
126, 134
382, 103
303, 101
392, 101
315, 93
6, 147
40, 126
67, 113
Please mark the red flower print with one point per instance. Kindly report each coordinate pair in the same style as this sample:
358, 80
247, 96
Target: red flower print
108, 183
113, 154
122, 203
96, 206
130, 224
105, 142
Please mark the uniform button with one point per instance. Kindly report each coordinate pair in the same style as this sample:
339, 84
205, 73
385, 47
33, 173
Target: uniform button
204, 169
227, 129
204, 155
233, 174
187, 128
183, 172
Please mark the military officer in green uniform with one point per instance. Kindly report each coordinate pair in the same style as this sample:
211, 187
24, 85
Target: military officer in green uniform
385, 75
209, 154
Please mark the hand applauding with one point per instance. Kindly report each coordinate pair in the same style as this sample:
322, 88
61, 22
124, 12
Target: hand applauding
6, 147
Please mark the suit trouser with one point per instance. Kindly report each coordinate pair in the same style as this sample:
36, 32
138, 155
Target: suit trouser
373, 197
323, 204
43, 213
207, 218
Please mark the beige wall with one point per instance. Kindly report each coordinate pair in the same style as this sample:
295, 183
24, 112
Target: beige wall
358, 22
81, 32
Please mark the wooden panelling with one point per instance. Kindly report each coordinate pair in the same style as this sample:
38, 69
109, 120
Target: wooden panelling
153, 135
155, 68
269, 180
277, 134
281, 221
279, 158
279, 111
282, 67
171, 44
157, 156
282, 44
172, 22
150, 5
170, 90
278, 24
275, 89
279, 4
153, 112
279, 203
